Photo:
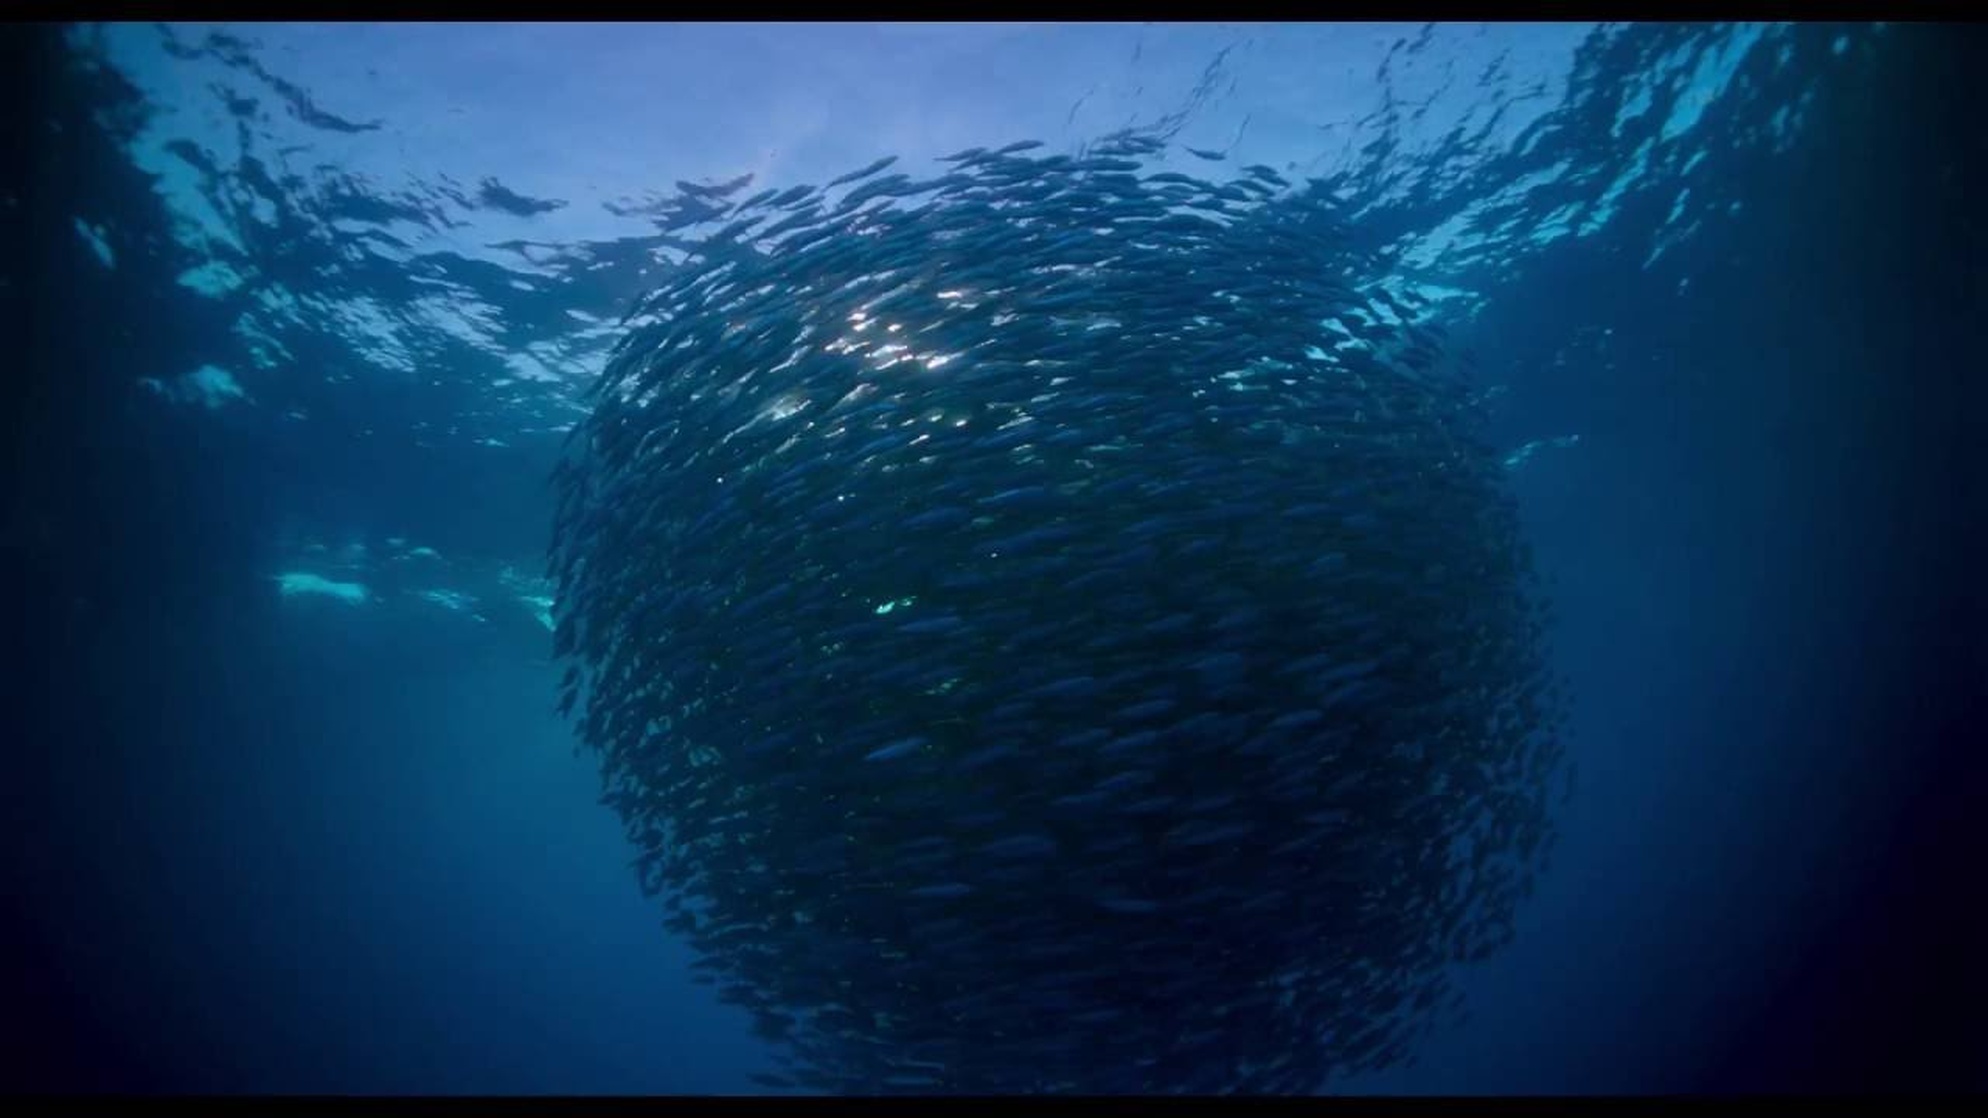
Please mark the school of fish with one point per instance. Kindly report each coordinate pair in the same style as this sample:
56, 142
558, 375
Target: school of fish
1056, 626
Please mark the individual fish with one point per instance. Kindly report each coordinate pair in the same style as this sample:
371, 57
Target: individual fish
1128, 906
1142, 711
1020, 846
904, 747
862, 172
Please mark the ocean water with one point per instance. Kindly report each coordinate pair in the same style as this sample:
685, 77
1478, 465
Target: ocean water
304, 312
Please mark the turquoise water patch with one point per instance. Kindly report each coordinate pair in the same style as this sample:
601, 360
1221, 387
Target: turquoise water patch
296, 583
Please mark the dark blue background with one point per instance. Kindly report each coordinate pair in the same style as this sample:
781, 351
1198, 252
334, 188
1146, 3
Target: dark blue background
253, 852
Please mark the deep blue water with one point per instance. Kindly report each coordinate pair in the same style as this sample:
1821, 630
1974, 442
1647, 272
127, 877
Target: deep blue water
297, 842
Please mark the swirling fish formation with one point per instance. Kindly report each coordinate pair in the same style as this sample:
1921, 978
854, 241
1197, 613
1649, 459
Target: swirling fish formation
1056, 626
